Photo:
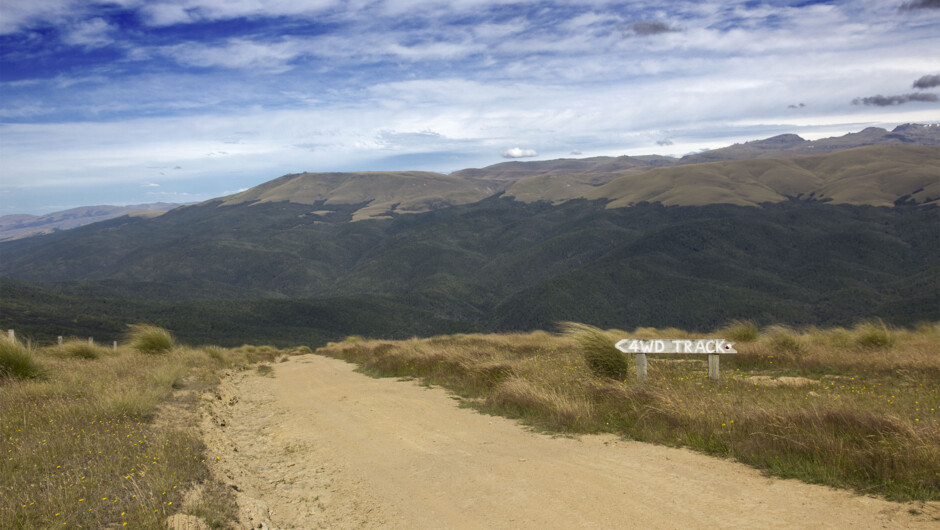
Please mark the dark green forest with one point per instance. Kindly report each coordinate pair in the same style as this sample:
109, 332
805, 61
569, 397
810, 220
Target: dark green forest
278, 273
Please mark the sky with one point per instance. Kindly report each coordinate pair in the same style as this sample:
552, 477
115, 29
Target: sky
134, 101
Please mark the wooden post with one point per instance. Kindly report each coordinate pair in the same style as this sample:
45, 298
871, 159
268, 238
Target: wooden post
641, 366
91, 340
115, 345
11, 334
713, 366
60, 340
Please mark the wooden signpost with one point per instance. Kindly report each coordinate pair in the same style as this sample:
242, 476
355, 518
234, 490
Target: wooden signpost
711, 347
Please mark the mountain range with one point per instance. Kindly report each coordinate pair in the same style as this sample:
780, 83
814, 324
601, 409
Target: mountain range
870, 167
25, 225
781, 230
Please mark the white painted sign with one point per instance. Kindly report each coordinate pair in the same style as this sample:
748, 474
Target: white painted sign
702, 346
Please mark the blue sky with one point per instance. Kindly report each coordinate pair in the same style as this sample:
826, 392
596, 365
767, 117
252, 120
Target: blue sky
137, 101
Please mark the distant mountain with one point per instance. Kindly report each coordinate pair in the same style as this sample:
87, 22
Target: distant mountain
377, 194
899, 166
825, 238
22, 225
876, 175
791, 145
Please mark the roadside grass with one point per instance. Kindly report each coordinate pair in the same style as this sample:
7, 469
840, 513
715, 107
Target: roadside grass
109, 439
854, 408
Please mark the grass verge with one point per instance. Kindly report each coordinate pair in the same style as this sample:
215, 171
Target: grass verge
110, 439
852, 408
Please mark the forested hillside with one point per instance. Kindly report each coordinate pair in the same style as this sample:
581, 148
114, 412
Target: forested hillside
497, 264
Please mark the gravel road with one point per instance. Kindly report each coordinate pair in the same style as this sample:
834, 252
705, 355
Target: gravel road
317, 445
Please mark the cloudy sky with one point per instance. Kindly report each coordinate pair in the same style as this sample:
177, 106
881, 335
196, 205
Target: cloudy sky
134, 101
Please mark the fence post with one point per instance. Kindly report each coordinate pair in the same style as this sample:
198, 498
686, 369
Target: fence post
11, 334
91, 340
640, 366
713, 366
60, 340
115, 345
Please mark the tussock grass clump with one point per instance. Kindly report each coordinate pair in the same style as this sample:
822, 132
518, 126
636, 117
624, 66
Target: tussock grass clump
550, 407
598, 348
147, 338
130, 404
217, 354
874, 334
82, 349
828, 338
16, 361
741, 331
785, 341
170, 377
811, 404
928, 330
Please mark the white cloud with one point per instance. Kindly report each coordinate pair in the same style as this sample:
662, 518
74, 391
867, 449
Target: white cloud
490, 32
433, 50
385, 78
236, 53
517, 152
92, 33
15, 15
165, 13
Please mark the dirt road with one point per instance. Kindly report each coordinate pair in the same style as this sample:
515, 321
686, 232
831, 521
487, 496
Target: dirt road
316, 445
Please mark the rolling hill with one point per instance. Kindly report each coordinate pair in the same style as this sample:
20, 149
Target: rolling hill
877, 175
822, 239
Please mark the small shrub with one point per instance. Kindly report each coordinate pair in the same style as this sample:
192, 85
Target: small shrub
264, 369
301, 350
16, 361
741, 331
598, 349
147, 338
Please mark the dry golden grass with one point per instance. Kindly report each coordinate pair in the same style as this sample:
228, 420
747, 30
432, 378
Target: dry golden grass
855, 408
16, 361
82, 349
147, 338
110, 439
876, 175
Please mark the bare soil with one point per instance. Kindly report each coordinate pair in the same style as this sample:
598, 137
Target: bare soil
317, 445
